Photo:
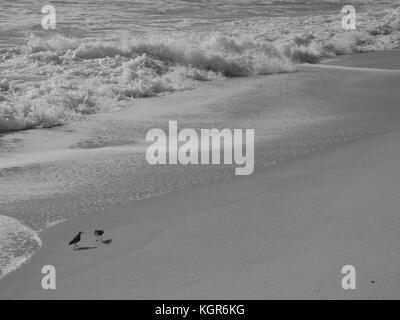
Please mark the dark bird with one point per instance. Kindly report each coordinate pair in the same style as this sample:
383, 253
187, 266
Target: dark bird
76, 239
99, 234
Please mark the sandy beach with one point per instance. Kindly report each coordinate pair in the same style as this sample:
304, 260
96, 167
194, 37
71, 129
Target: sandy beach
284, 232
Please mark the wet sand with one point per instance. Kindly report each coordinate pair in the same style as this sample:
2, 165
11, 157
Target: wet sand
382, 60
284, 232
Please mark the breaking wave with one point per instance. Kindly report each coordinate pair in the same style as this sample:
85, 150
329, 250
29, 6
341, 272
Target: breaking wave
55, 79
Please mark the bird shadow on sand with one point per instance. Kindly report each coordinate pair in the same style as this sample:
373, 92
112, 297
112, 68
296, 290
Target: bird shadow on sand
108, 241
84, 248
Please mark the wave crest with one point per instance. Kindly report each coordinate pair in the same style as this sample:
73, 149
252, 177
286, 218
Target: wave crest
60, 79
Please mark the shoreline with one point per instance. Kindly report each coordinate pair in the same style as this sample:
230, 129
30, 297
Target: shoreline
154, 221
159, 223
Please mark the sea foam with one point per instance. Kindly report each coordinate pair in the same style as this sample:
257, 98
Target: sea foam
17, 244
54, 79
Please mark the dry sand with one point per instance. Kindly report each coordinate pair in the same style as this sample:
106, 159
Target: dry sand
284, 232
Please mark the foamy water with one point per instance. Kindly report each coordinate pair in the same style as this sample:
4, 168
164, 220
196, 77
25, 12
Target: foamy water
17, 244
104, 55
56, 77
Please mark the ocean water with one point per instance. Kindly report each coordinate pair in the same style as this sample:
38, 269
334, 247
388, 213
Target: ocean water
17, 244
94, 17
104, 55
